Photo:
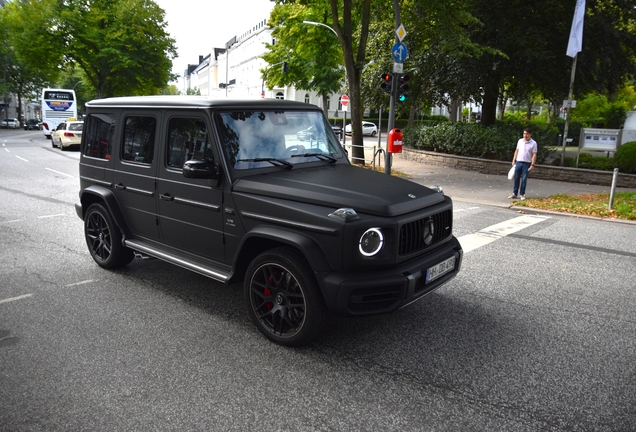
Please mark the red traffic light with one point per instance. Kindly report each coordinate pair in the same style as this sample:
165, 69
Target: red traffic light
386, 82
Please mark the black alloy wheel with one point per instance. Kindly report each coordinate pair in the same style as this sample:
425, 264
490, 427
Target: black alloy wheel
104, 239
283, 298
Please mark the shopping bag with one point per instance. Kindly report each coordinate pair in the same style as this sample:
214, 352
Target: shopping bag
511, 174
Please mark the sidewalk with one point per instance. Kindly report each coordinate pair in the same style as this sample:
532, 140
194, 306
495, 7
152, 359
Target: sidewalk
477, 188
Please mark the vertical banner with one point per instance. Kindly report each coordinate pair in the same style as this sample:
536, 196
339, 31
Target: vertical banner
575, 44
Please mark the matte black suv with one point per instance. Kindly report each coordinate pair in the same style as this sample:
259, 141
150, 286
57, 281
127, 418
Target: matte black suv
226, 189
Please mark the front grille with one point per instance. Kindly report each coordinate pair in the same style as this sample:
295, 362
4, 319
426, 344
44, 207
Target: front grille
412, 233
374, 299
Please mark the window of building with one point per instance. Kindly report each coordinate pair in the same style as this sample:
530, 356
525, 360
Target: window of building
280, 95
306, 98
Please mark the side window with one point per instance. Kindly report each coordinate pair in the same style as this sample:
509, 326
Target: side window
98, 135
61, 126
139, 139
187, 139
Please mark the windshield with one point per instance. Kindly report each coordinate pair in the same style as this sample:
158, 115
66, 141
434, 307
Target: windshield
257, 139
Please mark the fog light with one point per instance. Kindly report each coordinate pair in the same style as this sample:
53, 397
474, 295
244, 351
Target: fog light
371, 242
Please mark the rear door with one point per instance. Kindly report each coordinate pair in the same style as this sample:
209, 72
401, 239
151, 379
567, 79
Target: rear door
135, 171
190, 216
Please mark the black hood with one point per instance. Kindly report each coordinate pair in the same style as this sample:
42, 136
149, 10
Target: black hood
343, 185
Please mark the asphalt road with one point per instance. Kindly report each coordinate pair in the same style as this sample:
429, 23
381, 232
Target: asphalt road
537, 332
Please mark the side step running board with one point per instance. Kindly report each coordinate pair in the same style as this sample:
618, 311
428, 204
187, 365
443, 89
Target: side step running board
211, 272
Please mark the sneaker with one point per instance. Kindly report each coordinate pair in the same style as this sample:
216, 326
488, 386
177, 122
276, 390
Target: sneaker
512, 196
523, 197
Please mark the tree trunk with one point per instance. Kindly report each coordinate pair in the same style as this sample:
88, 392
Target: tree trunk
325, 108
453, 110
489, 104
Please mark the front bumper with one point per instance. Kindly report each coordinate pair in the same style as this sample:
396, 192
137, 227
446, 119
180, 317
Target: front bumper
384, 291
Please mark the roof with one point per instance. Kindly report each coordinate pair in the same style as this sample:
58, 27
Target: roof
196, 102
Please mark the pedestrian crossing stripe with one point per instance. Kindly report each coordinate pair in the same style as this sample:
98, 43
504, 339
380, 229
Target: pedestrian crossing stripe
487, 235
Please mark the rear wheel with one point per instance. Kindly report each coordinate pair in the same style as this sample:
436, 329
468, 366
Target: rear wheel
104, 239
283, 298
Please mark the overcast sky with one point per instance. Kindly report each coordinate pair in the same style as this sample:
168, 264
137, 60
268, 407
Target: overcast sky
199, 25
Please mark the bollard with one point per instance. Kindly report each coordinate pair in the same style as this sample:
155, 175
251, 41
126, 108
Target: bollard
611, 201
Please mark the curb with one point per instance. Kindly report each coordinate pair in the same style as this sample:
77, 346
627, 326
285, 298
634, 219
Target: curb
566, 214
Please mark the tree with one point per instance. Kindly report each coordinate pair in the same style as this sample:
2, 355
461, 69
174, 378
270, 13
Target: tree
312, 55
120, 45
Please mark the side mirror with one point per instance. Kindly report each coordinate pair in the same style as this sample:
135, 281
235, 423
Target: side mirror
201, 169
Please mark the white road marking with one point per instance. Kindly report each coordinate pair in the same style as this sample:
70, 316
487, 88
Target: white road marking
21, 158
15, 298
57, 172
79, 283
6, 149
468, 208
50, 216
481, 238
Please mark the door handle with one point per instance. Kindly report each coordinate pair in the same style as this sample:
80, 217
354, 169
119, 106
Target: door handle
120, 186
166, 197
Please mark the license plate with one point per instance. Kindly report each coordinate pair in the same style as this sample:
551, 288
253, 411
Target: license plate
440, 269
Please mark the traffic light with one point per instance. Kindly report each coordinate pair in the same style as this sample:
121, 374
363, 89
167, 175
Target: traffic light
386, 82
403, 87
285, 67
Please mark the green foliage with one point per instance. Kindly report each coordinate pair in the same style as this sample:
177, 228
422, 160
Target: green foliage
497, 142
121, 46
625, 158
587, 161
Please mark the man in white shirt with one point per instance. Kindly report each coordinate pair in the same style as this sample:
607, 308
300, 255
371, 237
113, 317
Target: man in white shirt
525, 156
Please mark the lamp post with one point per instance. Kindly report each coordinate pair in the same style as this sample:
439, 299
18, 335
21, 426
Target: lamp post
344, 112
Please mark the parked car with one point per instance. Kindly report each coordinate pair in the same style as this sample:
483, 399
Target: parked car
307, 134
224, 188
32, 124
67, 134
368, 128
10, 123
337, 130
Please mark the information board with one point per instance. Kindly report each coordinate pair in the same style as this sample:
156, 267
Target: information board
600, 139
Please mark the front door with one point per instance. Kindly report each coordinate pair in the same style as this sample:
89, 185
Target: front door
190, 210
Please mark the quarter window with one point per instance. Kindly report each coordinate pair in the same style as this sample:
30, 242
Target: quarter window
139, 139
98, 135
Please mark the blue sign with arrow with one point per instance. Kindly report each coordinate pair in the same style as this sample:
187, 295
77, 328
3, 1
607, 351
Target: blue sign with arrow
399, 52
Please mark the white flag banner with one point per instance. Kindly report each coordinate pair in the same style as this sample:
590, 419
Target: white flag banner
575, 43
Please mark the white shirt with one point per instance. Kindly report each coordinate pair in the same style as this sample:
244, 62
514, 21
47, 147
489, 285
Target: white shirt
526, 149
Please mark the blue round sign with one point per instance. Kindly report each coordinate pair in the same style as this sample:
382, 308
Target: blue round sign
399, 52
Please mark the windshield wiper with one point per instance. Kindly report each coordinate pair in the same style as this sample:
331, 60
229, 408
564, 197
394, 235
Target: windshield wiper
320, 156
273, 161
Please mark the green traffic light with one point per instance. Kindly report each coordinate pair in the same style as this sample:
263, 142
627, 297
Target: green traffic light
403, 98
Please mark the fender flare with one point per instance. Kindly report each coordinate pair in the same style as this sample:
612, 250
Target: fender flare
95, 193
305, 244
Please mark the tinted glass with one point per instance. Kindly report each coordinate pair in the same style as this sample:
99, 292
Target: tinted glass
98, 136
294, 137
188, 139
139, 139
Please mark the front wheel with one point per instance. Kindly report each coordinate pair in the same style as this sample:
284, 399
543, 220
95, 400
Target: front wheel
283, 298
104, 239
373, 134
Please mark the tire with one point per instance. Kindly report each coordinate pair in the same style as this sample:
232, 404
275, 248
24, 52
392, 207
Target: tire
104, 240
283, 298
373, 134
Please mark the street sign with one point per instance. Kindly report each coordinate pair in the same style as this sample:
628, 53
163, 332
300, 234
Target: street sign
398, 67
399, 52
344, 101
400, 32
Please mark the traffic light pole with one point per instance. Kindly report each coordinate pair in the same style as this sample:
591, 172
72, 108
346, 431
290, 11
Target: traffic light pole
394, 91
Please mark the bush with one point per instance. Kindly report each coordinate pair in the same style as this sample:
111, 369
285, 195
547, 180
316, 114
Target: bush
625, 158
587, 161
497, 142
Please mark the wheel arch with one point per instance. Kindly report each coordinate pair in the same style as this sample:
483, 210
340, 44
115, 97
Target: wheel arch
264, 238
98, 194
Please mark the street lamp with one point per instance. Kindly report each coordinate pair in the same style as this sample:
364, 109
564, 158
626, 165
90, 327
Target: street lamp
344, 119
320, 24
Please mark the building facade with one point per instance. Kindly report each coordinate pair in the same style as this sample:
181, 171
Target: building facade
235, 71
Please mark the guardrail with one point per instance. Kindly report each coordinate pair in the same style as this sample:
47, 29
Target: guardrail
371, 153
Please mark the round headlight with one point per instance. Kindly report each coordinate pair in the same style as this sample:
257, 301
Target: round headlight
371, 242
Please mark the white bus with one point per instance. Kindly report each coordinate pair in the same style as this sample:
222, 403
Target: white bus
57, 105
